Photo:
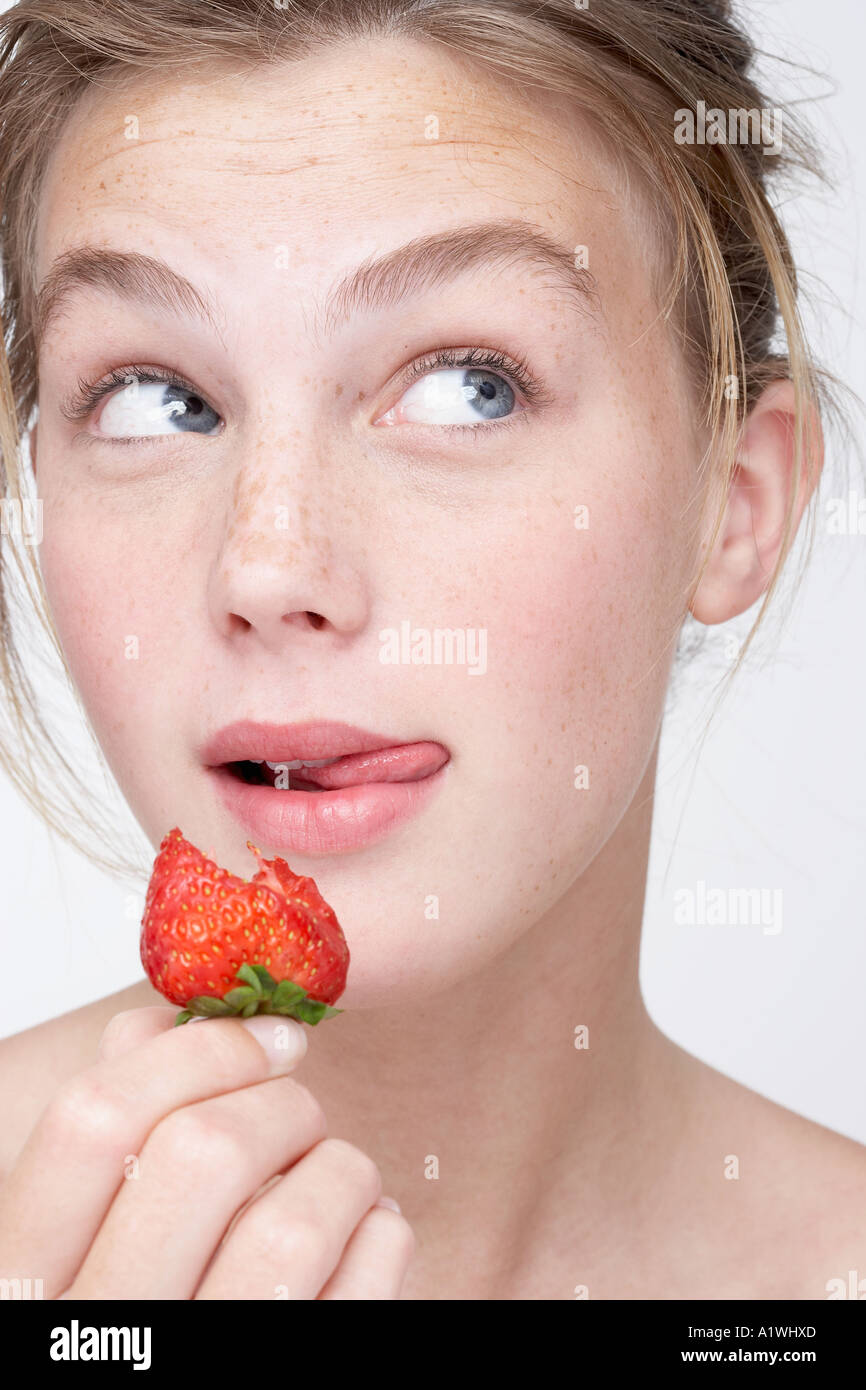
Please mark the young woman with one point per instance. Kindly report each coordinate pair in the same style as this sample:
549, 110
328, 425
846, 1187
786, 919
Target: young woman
329, 321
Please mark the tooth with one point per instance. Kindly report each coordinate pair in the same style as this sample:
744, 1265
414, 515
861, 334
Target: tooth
321, 762
293, 767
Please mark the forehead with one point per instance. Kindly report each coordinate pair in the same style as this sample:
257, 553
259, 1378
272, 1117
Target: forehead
320, 149
267, 186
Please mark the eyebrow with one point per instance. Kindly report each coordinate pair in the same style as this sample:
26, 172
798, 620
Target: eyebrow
433, 261
129, 275
381, 282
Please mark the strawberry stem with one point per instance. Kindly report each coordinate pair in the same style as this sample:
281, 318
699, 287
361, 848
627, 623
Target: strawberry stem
259, 993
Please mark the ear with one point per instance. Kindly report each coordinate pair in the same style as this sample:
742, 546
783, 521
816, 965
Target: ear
749, 540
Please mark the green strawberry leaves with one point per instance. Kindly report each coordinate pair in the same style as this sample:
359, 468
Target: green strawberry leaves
259, 993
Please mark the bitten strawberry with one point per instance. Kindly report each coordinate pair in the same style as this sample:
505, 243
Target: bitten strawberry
222, 945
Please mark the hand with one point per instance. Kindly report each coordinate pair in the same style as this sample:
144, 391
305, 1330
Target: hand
186, 1164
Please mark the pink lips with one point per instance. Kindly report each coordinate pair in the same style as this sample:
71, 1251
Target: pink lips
377, 783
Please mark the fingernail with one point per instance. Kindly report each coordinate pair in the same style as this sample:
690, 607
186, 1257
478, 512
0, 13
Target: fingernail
283, 1039
389, 1202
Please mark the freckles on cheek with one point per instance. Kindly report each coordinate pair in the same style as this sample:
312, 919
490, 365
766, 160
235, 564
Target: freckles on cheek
585, 620
588, 596
106, 615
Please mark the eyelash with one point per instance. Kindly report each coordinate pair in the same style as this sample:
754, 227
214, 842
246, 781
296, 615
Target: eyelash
515, 371
90, 393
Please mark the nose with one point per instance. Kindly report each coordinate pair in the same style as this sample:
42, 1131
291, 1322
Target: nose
281, 565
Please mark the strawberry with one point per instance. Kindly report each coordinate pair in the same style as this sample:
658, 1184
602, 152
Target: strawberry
204, 930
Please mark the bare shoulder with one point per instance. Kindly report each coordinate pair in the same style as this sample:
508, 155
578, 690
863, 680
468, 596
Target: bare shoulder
37, 1061
791, 1193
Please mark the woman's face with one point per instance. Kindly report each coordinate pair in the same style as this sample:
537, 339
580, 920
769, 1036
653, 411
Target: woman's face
306, 473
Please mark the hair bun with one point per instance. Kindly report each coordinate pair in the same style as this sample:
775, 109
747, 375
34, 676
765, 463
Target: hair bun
707, 34
717, 9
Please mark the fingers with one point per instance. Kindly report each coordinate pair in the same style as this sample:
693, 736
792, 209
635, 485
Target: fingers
133, 1027
198, 1166
375, 1260
53, 1201
192, 1119
290, 1240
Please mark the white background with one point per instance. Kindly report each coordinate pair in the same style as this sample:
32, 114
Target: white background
776, 799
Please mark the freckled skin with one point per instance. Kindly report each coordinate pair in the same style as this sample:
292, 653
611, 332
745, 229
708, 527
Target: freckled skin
222, 173
540, 885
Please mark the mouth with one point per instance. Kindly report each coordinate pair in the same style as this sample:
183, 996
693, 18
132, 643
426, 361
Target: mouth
397, 763
257, 773
320, 788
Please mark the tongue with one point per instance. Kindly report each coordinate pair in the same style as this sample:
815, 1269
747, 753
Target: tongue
405, 763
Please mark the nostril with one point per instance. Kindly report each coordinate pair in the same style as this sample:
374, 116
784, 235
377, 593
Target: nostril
316, 619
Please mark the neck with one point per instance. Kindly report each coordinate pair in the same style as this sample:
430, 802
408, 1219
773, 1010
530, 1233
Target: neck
525, 1085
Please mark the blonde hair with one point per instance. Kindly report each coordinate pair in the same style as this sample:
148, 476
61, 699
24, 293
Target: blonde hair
630, 65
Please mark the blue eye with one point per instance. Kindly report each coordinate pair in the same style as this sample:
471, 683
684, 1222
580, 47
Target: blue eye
461, 390
454, 390
143, 402
455, 396
155, 407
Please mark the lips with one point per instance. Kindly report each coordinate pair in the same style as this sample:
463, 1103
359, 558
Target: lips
361, 756
370, 782
406, 762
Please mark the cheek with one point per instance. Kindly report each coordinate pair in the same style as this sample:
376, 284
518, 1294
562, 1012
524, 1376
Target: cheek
593, 618
582, 626
107, 608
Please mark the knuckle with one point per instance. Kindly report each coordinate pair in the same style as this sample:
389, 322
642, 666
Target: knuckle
115, 1031
130, 1027
198, 1138
402, 1233
392, 1232
358, 1163
85, 1110
314, 1117
221, 1041
293, 1243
